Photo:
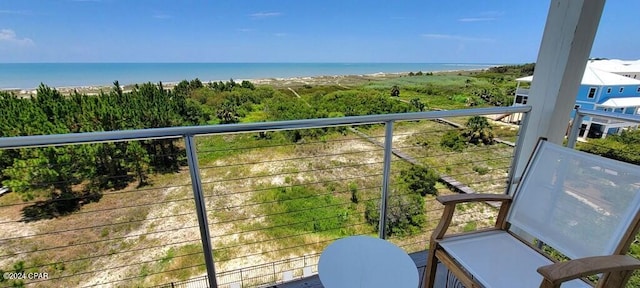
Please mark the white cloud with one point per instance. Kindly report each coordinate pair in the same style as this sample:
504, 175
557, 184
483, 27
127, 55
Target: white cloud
162, 16
15, 12
483, 16
262, 15
245, 30
492, 13
477, 19
9, 36
401, 18
456, 37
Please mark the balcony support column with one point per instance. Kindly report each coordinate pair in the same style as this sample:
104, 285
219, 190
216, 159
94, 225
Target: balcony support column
564, 51
575, 129
386, 172
198, 196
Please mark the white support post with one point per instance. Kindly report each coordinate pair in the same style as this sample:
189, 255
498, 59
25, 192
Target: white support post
566, 44
515, 97
586, 130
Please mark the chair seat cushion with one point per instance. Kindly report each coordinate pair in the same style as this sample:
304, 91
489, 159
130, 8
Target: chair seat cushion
498, 260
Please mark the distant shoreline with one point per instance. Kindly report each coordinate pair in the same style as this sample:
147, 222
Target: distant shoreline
273, 81
28, 76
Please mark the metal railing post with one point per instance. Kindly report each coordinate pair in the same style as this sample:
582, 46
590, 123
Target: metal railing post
575, 129
386, 168
275, 277
198, 196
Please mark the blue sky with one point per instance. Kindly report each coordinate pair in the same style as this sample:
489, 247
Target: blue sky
462, 31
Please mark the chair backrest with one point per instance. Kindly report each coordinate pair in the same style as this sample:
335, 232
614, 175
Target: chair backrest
578, 203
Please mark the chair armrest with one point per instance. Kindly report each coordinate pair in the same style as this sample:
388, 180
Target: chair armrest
557, 273
450, 201
463, 198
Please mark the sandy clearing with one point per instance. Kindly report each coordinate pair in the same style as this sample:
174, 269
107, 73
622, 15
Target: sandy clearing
160, 219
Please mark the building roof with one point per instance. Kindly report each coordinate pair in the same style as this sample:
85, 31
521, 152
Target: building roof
597, 77
594, 76
621, 102
616, 65
525, 79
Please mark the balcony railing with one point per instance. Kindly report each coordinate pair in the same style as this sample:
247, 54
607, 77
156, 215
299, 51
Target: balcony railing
600, 120
245, 204
598, 116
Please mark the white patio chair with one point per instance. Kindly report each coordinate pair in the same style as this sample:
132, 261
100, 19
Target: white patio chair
584, 206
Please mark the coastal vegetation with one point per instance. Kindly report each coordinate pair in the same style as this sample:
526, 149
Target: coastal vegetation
328, 187
76, 174
624, 147
478, 131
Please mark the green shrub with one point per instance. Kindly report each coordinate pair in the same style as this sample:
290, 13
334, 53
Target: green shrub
453, 140
478, 131
481, 170
300, 208
415, 102
405, 206
353, 188
405, 214
624, 147
459, 98
420, 180
470, 226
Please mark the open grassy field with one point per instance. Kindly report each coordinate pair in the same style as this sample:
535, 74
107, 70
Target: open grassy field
267, 198
250, 221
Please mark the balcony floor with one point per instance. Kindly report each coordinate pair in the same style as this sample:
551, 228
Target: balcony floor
420, 258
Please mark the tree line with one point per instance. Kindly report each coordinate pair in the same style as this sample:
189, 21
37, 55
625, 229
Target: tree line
76, 173
81, 171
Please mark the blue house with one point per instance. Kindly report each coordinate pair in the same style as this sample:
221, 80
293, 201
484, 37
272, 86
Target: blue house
599, 90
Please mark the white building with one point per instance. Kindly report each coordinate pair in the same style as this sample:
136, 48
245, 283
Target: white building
627, 68
608, 85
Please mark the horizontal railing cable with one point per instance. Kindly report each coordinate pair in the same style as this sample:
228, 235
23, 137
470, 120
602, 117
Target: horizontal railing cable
294, 185
290, 159
281, 145
178, 132
294, 246
293, 211
164, 245
256, 225
97, 226
149, 274
286, 200
289, 173
105, 194
100, 241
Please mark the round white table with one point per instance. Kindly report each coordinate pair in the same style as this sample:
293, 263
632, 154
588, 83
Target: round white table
363, 261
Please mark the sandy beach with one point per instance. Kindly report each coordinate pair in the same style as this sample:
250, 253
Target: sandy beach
276, 82
340, 80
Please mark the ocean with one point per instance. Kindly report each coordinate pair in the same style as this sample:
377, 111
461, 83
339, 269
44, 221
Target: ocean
30, 75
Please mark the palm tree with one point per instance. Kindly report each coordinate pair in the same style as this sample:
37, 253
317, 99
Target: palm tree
227, 113
418, 104
395, 91
479, 130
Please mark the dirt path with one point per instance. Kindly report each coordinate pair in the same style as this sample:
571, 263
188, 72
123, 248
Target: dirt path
445, 179
298, 95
